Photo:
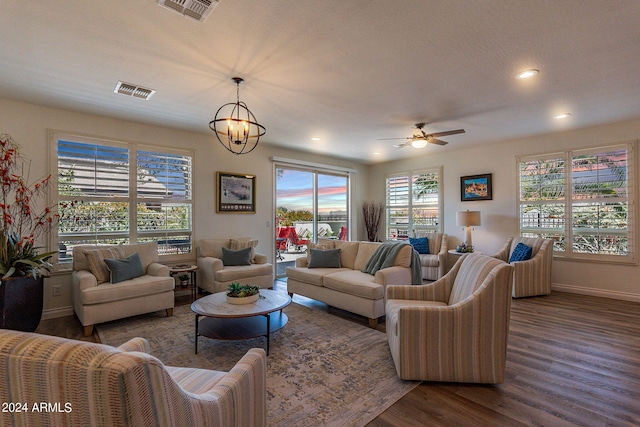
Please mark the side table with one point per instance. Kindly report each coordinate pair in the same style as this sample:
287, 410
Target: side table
186, 268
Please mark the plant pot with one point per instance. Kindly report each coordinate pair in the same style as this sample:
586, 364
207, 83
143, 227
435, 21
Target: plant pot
21, 300
243, 300
184, 283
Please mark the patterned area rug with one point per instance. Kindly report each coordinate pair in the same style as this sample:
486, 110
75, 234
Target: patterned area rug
322, 370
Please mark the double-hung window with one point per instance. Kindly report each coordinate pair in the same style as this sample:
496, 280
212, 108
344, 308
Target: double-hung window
581, 199
413, 203
111, 193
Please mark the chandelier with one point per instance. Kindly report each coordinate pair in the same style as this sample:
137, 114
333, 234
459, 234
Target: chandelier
235, 125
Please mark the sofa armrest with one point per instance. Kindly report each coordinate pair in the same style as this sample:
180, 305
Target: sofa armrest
157, 269
393, 275
83, 279
259, 258
136, 344
442, 256
301, 262
435, 291
504, 252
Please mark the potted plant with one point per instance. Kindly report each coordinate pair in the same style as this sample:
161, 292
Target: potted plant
242, 294
184, 280
21, 226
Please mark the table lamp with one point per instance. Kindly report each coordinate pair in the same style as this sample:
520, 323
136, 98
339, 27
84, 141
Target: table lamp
468, 219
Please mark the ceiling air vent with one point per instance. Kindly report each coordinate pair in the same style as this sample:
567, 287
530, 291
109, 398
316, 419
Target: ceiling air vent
133, 90
196, 9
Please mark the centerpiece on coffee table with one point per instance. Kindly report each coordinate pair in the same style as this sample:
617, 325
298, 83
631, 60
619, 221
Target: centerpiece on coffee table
242, 294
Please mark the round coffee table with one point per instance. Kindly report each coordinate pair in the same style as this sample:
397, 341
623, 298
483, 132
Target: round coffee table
224, 321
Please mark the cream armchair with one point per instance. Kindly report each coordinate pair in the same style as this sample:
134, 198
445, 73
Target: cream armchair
456, 328
214, 276
533, 276
434, 264
98, 385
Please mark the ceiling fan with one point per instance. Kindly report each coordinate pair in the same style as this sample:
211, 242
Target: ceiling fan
420, 138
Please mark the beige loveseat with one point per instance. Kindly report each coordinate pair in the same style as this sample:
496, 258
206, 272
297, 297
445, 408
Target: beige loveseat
348, 287
214, 276
65, 382
96, 300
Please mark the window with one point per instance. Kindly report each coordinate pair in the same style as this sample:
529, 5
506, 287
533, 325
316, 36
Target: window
413, 203
123, 193
581, 200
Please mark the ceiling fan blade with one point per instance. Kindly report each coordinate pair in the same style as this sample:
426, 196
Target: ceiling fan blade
449, 132
402, 145
436, 141
389, 139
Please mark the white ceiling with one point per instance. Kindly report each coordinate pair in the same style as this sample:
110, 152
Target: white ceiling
347, 71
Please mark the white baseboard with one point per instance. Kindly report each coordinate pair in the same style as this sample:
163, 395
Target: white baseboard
57, 312
602, 293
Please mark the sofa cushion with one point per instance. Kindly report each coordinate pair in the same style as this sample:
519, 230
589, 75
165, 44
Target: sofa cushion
213, 247
365, 251
420, 244
148, 252
239, 257
124, 269
132, 288
312, 276
430, 260
95, 260
354, 282
324, 258
240, 272
348, 252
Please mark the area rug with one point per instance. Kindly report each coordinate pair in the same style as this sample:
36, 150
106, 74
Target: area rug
321, 370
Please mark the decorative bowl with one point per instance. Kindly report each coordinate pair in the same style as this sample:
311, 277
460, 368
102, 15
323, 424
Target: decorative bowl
243, 300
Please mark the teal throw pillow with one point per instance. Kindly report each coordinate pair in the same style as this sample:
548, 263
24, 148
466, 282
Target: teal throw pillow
324, 258
239, 257
521, 252
420, 244
124, 269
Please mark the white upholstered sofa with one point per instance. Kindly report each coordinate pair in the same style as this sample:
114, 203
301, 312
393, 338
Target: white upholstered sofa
102, 386
347, 287
96, 300
214, 276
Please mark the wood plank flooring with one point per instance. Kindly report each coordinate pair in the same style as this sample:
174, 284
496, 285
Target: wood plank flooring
572, 360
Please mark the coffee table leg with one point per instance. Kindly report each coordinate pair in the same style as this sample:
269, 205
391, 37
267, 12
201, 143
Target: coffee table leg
268, 331
196, 336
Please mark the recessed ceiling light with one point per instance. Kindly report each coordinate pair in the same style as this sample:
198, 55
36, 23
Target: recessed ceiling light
526, 74
315, 138
562, 116
377, 153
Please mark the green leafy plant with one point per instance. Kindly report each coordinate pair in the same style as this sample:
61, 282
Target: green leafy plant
183, 277
237, 290
21, 225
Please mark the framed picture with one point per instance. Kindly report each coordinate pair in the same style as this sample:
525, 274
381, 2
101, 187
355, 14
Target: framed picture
475, 187
236, 193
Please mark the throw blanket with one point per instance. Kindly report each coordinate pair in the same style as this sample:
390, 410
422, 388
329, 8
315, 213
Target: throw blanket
385, 256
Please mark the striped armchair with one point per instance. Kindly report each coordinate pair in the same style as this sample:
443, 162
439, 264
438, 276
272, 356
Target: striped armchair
456, 328
434, 264
85, 384
533, 276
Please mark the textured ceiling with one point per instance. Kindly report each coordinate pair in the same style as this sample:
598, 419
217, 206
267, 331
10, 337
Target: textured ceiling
349, 72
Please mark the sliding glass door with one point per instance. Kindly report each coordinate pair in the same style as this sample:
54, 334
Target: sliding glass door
310, 204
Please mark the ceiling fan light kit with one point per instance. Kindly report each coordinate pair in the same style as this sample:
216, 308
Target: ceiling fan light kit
420, 138
235, 126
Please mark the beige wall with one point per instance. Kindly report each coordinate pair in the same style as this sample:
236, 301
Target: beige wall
499, 216
29, 125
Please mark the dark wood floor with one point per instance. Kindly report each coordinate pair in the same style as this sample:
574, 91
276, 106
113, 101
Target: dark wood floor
572, 360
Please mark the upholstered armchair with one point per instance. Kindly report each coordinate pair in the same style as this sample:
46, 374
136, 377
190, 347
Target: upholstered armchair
223, 261
434, 264
92, 384
456, 328
96, 299
531, 277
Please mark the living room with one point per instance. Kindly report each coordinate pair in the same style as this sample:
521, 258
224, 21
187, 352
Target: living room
31, 118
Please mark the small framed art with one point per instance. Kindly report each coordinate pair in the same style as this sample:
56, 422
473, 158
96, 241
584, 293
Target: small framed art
475, 187
236, 193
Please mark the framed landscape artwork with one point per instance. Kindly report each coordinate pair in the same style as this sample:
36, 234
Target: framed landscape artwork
475, 187
236, 193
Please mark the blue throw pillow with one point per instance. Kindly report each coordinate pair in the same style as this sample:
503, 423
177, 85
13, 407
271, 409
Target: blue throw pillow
522, 252
420, 244
125, 269
239, 257
324, 258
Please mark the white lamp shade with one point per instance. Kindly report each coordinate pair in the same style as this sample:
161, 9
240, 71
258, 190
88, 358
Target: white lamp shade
468, 218
419, 143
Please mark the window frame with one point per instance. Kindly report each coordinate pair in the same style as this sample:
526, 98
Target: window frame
412, 227
134, 197
568, 201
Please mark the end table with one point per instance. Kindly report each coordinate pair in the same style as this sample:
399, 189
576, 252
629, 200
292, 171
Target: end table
186, 268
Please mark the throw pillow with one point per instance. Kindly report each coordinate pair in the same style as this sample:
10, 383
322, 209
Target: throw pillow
125, 269
324, 258
97, 266
322, 244
420, 244
236, 244
239, 257
521, 252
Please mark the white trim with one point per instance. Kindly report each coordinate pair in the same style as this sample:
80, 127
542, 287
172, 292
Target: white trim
602, 293
54, 313
298, 163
